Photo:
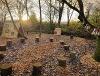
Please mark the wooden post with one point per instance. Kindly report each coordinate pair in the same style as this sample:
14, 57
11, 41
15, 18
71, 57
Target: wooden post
73, 58
72, 54
66, 47
37, 68
71, 37
51, 39
62, 42
2, 47
9, 43
22, 40
6, 69
62, 61
1, 57
37, 40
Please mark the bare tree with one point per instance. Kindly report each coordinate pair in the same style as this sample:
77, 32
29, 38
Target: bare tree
40, 17
7, 6
61, 7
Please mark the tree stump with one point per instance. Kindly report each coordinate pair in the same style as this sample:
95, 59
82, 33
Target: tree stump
66, 47
6, 69
71, 37
22, 40
2, 47
37, 40
37, 68
62, 42
51, 39
72, 54
9, 43
62, 61
73, 58
1, 57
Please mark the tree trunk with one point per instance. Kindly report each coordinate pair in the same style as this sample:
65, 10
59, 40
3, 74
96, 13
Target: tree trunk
50, 14
60, 13
6, 3
40, 18
97, 52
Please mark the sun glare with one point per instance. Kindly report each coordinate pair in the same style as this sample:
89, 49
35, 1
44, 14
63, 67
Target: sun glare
24, 18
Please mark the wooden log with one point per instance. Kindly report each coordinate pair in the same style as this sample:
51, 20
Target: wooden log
22, 40
6, 69
71, 37
37, 40
51, 39
9, 43
2, 47
62, 42
66, 47
72, 54
1, 57
37, 68
73, 58
62, 61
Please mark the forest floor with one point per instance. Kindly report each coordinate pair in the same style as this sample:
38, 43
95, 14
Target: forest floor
23, 56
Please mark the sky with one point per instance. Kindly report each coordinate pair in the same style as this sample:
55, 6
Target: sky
94, 3
64, 16
75, 14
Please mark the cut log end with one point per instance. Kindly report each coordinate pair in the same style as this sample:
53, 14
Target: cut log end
37, 40
22, 40
62, 42
6, 69
2, 57
51, 39
66, 47
62, 61
9, 43
3, 47
37, 68
71, 37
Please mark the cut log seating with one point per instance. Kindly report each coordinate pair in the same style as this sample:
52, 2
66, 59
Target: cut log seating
37, 68
62, 61
71, 37
37, 40
72, 55
1, 57
9, 43
3, 47
51, 39
62, 42
22, 40
6, 69
66, 47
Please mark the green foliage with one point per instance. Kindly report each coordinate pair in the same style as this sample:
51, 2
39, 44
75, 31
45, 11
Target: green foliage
97, 52
51, 28
73, 26
33, 18
95, 18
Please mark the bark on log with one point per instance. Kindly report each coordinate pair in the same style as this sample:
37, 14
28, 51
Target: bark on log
66, 47
37, 68
51, 39
6, 69
1, 57
22, 40
37, 40
2, 47
62, 61
62, 42
71, 37
9, 43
